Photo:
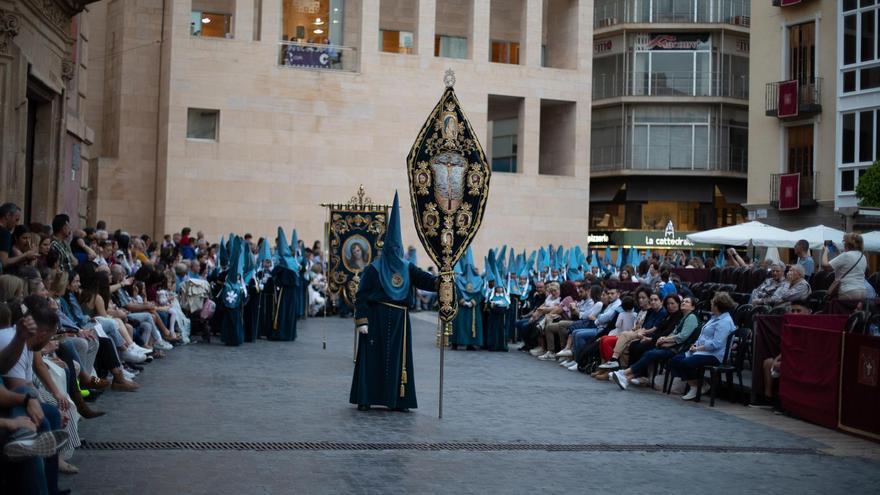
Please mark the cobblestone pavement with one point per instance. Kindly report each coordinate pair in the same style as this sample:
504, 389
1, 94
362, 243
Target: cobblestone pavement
298, 392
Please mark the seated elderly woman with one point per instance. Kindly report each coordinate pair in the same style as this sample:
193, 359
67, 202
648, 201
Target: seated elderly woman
709, 348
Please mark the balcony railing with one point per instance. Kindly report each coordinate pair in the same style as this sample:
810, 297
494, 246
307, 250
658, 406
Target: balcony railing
608, 13
318, 56
670, 84
808, 188
715, 159
783, 104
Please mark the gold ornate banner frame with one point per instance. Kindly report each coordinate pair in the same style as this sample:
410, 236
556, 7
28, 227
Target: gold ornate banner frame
356, 235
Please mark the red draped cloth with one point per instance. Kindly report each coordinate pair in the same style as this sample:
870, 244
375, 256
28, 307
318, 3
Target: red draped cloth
766, 344
809, 380
860, 385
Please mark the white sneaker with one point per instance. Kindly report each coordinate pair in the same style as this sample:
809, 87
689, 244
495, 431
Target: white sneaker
564, 363
143, 350
691, 395
610, 365
706, 388
547, 356
573, 366
566, 353
620, 379
163, 345
133, 356
537, 351
128, 375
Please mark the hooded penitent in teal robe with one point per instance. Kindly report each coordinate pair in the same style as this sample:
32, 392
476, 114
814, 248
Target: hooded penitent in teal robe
286, 280
233, 297
383, 372
467, 327
498, 322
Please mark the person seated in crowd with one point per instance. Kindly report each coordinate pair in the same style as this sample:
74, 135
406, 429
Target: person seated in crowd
795, 288
627, 274
770, 284
666, 286
35, 458
665, 347
143, 316
317, 288
566, 311
625, 322
527, 327
848, 267
709, 348
10, 216
650, 317
587, 299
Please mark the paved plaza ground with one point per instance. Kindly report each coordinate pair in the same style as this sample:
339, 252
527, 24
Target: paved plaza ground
273, 417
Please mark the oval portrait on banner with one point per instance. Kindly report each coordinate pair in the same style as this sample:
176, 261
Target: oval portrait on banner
356, 253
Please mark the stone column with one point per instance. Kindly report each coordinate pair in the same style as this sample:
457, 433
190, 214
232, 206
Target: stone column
533, 31
369, 34
530, 136
271, 23
480, 12
244, 20
427, 24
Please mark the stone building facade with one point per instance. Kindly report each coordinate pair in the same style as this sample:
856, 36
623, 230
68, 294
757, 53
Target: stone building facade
241, 115
44, 137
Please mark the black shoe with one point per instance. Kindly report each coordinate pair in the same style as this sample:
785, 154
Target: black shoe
363, 407
402, 409
454, 347
470, 348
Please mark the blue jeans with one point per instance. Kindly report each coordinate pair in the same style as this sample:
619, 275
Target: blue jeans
582, 337
641, 366
688, 367
110, 328
38, 475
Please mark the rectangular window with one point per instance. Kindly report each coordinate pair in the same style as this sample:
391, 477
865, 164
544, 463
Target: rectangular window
802, 52
202, 124
866, 136
849, 39
847, 180
396, 41
210, 25
450, 46
505, 52
800, 150
504, 139
868, 36
869, 78
848, 141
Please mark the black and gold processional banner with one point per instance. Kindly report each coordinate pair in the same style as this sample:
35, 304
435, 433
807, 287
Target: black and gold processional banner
449, 185
356, 235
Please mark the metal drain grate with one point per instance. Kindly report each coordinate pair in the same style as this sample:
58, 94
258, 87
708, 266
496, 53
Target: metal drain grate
441, 446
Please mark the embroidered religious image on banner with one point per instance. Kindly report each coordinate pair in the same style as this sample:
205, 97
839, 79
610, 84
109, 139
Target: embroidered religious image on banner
356, 238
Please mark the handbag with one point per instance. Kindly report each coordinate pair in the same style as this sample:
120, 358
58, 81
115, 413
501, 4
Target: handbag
834, 288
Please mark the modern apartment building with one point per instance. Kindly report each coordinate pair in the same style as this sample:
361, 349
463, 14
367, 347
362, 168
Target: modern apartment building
247, 114
793, 113
858, 105
670, 114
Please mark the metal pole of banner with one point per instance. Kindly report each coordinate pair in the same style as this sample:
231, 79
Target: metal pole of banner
442, 330
325, 263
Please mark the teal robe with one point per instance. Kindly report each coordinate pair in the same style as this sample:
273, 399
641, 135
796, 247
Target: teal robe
379, 376
287, 295
266, 311
498, 322
252, 313
232, 320
467, 327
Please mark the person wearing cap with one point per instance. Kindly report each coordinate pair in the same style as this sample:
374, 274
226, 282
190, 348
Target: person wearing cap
383, 372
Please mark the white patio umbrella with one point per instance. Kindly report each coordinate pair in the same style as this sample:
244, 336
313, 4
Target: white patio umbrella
817, 236
746, 234
872, 241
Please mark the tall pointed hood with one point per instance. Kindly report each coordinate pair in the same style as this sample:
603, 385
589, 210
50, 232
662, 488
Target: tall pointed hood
468, 282
294, 245
392, 266
285, 257
249, 269
490, 267
265, 253
222, 254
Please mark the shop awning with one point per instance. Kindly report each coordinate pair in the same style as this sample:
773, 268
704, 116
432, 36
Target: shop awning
604, 190
733, 192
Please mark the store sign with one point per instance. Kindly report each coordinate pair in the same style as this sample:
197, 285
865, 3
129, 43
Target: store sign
676, 41
644, 239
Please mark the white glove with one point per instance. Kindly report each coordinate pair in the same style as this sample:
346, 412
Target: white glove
362, 329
